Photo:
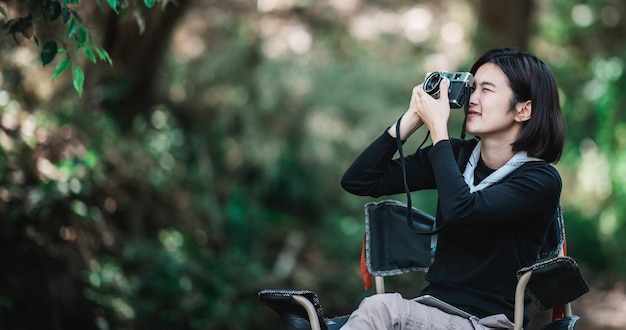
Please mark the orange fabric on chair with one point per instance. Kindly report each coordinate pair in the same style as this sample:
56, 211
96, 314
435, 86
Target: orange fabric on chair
367, 277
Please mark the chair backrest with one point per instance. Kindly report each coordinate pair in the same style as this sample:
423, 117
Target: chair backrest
553, 244
391, 247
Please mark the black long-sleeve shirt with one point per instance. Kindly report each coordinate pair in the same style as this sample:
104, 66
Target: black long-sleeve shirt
489, 234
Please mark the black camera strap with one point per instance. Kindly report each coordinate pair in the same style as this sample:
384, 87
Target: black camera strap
460, 158
409, 205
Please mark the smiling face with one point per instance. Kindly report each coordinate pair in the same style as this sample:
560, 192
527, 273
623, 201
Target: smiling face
536, 124
492, 114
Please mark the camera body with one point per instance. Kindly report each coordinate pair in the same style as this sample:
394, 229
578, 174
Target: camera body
458, 90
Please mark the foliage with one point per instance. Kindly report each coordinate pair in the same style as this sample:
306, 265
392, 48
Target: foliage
41, 16
589, 68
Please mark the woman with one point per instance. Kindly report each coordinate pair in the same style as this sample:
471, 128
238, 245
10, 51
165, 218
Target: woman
497, 208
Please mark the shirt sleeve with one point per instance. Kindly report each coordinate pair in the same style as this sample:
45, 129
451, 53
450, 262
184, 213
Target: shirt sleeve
533, 188
375, 173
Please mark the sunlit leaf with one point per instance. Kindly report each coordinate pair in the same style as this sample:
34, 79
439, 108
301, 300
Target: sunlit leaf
78, 79
103, 54
72, 28
49, 51
149, 3
113, 4
90, 54
82, 35
91, 159
60, 68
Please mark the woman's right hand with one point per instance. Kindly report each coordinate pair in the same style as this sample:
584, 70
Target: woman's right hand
411, 120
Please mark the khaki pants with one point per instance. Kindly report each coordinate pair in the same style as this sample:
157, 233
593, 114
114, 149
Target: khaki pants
392, 311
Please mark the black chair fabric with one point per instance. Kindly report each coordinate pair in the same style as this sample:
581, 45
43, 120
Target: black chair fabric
391, 247
554, 238
555, 282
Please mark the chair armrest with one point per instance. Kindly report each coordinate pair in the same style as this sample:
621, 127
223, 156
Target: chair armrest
555, 282
299, 309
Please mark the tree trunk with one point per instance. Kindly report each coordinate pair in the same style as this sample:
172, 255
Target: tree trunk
504, 24
126, 89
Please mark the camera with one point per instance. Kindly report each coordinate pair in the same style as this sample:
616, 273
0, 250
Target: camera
458, 90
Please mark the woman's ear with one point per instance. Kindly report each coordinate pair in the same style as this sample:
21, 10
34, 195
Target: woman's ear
523, 111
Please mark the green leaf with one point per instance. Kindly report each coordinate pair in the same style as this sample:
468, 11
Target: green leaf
78, 79
3, 12
76, 16
91, 159
54, 10
60, 68
72, 27
149, 3
90, 55
82, 35
113, 4
49, 51
66, 14
103, 54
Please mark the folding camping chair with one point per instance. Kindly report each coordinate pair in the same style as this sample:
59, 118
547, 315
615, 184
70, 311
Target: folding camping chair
553, 282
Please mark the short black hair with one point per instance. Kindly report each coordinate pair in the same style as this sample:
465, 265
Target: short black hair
543, 135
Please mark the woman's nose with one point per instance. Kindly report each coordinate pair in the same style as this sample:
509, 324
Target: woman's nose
474, 96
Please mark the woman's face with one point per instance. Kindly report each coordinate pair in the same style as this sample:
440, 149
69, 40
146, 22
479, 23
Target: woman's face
490, 114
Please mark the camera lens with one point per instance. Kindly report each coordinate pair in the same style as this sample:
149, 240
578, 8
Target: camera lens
431, 84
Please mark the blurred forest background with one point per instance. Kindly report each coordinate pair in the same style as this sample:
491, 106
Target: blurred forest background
166, 189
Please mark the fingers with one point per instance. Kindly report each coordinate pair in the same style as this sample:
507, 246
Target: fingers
419, 97
443, 89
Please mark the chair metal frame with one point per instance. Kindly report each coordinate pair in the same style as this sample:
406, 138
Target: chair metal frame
520, 290
310, 310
